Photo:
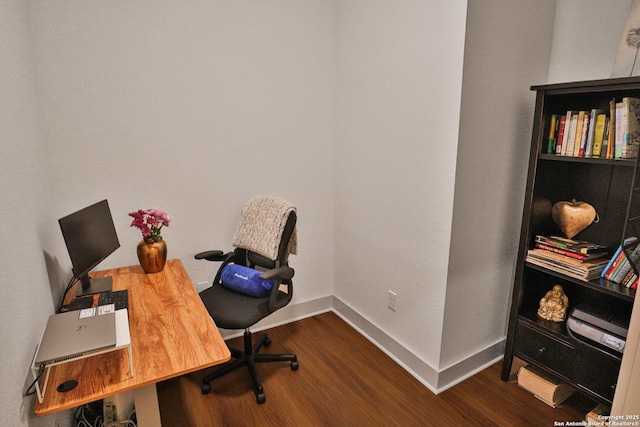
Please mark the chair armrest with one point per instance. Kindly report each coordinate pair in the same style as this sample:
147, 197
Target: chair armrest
282, 273
216, 255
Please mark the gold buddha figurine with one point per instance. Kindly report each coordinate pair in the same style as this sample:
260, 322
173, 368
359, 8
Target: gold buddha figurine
553, 306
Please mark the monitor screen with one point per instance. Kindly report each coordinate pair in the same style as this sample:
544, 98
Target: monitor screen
90, 237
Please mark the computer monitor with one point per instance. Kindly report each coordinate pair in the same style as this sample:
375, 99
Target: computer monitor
90, 237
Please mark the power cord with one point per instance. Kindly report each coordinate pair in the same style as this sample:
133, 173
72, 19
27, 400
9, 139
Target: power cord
32, 388
89, 415
92, 415
129, 422
66, 291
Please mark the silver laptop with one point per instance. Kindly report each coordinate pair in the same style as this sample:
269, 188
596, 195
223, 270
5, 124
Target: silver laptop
68, 336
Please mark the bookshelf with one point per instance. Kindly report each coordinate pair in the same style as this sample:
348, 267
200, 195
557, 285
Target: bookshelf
612, 186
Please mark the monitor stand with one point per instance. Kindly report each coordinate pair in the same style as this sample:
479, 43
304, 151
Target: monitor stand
88, 286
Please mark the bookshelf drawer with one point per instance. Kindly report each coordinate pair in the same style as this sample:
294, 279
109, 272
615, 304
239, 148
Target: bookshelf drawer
549, 352
598, 373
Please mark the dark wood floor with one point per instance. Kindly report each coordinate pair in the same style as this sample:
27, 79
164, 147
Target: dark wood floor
345, 380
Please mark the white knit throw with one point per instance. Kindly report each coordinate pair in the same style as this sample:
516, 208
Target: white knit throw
261, 226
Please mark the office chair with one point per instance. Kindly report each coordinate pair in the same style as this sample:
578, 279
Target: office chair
265, 237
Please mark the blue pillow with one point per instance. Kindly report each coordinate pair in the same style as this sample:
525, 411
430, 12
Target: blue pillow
245, 280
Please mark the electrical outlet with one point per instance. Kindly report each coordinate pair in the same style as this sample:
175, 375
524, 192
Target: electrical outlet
391, 300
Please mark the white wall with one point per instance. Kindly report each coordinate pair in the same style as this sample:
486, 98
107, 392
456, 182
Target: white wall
501, 62
26, 300
586, 35
192, 108
400, 75
188, 107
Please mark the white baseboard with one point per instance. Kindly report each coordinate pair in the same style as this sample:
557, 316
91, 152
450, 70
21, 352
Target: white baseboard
436, 380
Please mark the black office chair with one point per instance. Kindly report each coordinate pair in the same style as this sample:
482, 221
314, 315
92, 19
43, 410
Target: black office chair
265, 238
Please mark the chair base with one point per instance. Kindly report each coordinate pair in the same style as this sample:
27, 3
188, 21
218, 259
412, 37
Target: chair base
249, 358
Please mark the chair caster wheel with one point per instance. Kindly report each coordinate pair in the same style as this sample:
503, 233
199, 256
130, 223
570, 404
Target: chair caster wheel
267, 342
206, 388
295, 365
261, 398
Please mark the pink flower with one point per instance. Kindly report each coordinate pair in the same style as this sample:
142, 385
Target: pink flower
150, 222
160, 216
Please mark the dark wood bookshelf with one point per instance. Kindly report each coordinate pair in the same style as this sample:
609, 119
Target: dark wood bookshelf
613, 188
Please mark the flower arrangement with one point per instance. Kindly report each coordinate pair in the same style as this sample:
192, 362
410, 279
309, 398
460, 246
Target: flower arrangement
150, 222
633, 40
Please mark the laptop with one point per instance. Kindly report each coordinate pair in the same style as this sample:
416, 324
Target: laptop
72, 335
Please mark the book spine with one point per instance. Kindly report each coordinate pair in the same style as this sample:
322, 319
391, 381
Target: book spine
564, 252
598, 135
553, 128
621, 271
592, 134
613, 259
585, 135
620, 119
569, 132
560, 136
628, 278
605, 139
578, 136
616, 262
611, 129
632, 128
584, 248
592, 124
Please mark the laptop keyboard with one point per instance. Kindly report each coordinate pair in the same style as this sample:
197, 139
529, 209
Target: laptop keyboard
120, 299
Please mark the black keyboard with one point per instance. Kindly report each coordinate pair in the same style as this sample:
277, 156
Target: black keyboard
120, 299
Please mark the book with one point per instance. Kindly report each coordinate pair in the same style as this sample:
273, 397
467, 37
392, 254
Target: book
583, 270
578, 135
584, 135
611, 130
630, 255
620, 113
553, 129
614, 265
613, 261
565, 252
595, 113
569, 132
544, 386
632, 251
621, 271
560, 135
598, 135
578, 246
628, 279
605, 139
617, 258
631, 128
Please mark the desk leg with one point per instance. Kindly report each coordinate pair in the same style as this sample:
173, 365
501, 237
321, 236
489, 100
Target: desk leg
147, 408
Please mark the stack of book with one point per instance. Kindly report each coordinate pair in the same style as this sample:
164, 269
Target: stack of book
543, 386
619, 269
574, 258
599, 133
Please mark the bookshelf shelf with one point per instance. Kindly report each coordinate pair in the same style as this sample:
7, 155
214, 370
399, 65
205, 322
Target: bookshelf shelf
611, 162
612, 186
599, 285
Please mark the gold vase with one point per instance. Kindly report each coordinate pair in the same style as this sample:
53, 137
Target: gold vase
152, 255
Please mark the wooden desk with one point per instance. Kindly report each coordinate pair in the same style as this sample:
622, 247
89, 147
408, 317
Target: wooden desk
171, 335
